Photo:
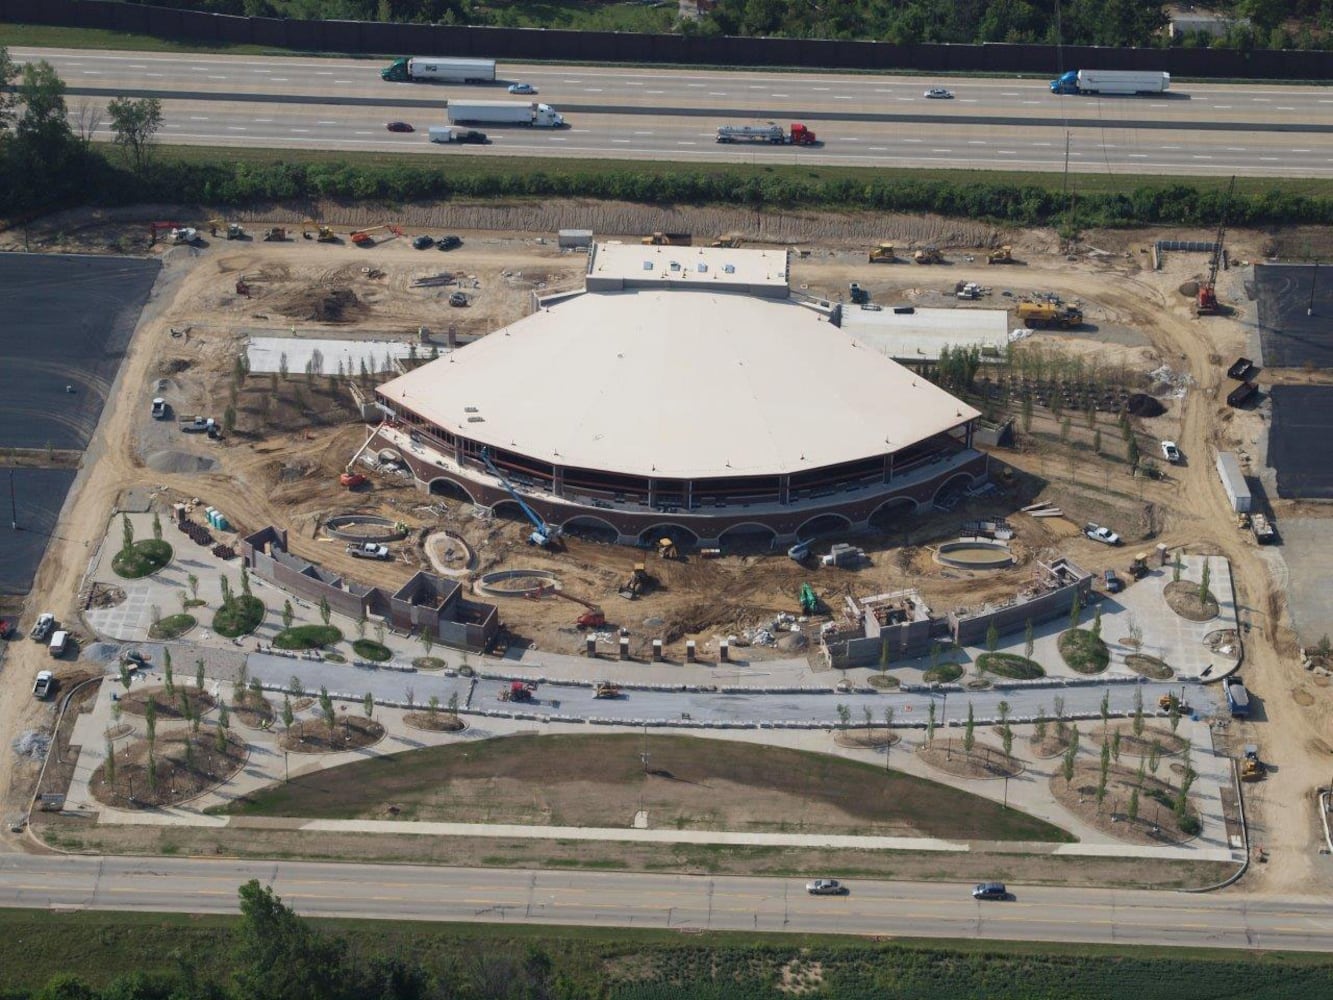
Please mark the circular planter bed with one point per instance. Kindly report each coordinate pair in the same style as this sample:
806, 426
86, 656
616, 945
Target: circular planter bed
369, 649
141, 559
1084, 652
177, 779
981, 761
168, 706
172, 626
1010, 665
1169, 744
349, 732
1050, 746
254, 712
1149, 666
241, 617
884, 682
308, 637
1183, 598
1156, 822
429, 663
872, 738
334, 658
945, 673
440, 722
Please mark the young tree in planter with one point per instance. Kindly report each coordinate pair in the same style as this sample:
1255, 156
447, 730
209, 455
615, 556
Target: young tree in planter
1074, 737
930, 722
1075, 611
152, 771
1060, 727
1132, 455
110, 768
225, 586
969, 733
992, 637
193, 582
1096, 628
288, 614
326, 709
1174, 715
427, 639
453, 704
256, 692
199, 674
1067, 765
295, 686
368, 703
1115, 746
189, 754
245, 581
1205, 578
288, 716
157, 528
1138, 711
1029, 638
1106, 761
844, 716
361, 625
888, 734
1101, 787
1154, 756
433, 708
1177, 567
1133, 811
224, 716
869, 714
325, 612
1039, 726
168, 678
187, 713
126, 535
150, 722
220, 736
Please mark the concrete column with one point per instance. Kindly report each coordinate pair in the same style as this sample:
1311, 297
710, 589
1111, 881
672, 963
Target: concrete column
657, 650
590, 646
724, 651
689, 651
624, 647
1161, 553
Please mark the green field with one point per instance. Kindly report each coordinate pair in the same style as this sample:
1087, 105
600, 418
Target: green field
617, 964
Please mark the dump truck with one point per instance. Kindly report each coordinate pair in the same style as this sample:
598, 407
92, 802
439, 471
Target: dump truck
928, 255
1043, 314
1238, 699
606, 689
1111, 82
503, 113
668, 240
1262, 528
885, 253
368, 550
770, 132
638, 582
439, 69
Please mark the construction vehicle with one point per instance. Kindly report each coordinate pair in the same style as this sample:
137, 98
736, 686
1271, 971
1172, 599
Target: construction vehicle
731, 241
1251, 767
666, 549
363, 237
1207, 304
809, 599
184, 236
1238, 699
668, 240
518, 691
321, 234
928, 255
606, 689
160, 227
1138, 569
1170, 702
418, 68
1038, 315
543, 535
639, 581
1001, 255
592, 618
275, 235
351, 480
858, 295
233, 230
770, 132
885, 253
799, 552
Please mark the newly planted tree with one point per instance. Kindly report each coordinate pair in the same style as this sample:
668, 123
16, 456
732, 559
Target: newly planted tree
969, 733
150, 721
288, 614
930, 722
325, 612
368, 703
1115, 746
1028, 638
992, 637
1138, 711
433, 707
199, 674
1106, 708
288, 716
110, 767
1039, 726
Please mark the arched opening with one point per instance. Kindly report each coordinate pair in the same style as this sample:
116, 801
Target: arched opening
890, 515
679, 534
593, 529
748, 537
823, 524
449, 488
509, 510
952, 487
389, 455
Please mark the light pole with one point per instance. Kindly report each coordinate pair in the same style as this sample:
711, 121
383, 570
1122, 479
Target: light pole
1309, 310
944, 724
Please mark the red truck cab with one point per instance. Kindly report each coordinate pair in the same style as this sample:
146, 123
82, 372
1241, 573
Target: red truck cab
802, 136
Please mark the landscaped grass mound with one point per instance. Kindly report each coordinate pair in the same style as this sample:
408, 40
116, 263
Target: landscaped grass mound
369, 649
172, 626
240, 616
690, 783
1084, 652
143, 558
308, 637
945, 673
1010, 665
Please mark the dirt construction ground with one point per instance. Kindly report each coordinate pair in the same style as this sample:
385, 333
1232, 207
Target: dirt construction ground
292, 438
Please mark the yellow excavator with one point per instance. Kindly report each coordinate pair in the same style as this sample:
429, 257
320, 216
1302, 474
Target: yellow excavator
322, 234
1001, 255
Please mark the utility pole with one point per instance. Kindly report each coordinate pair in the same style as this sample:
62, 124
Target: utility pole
1309, 310
13, 507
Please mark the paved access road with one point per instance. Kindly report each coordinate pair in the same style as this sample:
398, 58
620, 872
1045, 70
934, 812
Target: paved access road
651, 113
906, 909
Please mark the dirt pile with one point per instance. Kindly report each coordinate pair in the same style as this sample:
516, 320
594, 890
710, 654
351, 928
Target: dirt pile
323, 305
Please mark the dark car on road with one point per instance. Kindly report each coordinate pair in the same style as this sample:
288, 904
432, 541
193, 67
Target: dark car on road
399, 127
825, 887
990, 890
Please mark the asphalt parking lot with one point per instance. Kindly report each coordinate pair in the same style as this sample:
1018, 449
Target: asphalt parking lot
1302, 424
67, 322
38, 496
1295, 303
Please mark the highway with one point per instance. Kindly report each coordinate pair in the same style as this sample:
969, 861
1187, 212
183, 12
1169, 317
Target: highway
900, 909
651, 113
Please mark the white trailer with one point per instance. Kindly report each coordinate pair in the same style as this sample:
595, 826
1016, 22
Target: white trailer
1233, 481
1113, 82
439, 70
503, 113
441, 133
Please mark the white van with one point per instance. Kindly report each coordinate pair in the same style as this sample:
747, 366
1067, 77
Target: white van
59, 642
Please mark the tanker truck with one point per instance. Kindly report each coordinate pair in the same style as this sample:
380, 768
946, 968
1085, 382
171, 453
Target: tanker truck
768, 132
423, 69
503, 113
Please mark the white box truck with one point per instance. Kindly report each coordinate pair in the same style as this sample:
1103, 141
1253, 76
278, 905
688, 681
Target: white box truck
1113, 82
419, 69
503, 113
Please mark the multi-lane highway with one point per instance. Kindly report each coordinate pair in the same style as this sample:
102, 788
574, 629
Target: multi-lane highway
906, 909
652, 113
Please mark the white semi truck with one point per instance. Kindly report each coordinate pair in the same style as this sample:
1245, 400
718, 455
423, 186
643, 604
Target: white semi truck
420, 69
1112, 82
503, 113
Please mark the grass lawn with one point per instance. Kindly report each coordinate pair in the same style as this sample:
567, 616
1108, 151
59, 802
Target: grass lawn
1011, 665
1083, 651
369, 649
172, 626
241, 617
691, 784
144, 558
308, 637
945, 673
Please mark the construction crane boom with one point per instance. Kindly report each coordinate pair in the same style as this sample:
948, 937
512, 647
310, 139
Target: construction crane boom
1207, 304
543, 534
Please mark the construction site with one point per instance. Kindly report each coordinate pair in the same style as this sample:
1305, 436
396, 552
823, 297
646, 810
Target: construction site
328, 371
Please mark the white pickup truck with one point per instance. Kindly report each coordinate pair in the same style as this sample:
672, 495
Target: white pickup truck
368, 550
45, 684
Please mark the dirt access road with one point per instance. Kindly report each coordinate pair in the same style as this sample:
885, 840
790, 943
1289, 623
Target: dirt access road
196, 291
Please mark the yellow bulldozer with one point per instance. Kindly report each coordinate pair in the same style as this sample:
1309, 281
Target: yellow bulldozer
885, 253
731, 241
322, 234
1001, 255
1251, 767
928, 255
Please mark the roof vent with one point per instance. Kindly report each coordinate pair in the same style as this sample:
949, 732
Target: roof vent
729, 268
476, 420
647, 265
703, 268
469, 409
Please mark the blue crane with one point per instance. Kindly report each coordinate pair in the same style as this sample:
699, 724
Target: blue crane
543, 534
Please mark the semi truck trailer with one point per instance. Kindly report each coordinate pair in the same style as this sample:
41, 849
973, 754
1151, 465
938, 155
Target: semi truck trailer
503, 113
423, 69
1113, 82
771, 132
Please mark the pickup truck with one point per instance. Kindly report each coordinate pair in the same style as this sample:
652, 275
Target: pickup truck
45, 684
45, 625
368, 550
197, 425
1099, 534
